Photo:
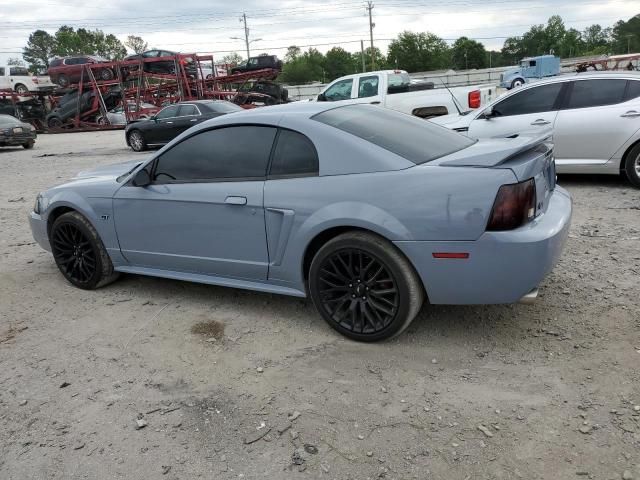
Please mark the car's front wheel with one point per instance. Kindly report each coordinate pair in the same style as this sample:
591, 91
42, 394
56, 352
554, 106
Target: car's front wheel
28, 144
54, 122
632, 166
364, 287
63, 80
137, 141
79, 252
518, 82
21, 89
106, 74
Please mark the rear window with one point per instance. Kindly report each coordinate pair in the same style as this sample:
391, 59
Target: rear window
56, 63
419, 141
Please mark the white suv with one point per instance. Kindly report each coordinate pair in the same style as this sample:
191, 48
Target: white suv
18, 79
595, 119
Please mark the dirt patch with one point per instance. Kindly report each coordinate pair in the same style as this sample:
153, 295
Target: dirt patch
209, 329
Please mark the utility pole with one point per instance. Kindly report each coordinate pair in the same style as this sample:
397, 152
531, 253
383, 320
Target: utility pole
246, 33
364, 68
371, 25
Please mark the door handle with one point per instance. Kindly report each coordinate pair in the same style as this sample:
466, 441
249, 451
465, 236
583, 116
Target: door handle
193, 120
631, 113
232, 200
169, 123
540, 122
375, 103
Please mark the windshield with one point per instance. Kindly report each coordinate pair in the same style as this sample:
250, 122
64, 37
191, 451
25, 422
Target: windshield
415, 139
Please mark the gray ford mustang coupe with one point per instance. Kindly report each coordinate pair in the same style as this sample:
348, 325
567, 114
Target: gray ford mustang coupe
365, 210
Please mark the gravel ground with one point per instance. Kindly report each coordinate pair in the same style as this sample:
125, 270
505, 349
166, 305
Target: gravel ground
150, 378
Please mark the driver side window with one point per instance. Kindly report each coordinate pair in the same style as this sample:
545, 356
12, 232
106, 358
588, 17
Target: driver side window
168, 112
340, 90
531, 100
222, 154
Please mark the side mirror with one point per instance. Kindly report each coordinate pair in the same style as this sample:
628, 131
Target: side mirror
322, 98
141, 179
488, 114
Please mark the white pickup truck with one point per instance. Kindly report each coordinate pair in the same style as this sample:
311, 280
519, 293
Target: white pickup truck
393, 89
19, 80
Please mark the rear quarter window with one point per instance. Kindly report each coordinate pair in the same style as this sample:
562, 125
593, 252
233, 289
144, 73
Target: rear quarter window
417, 140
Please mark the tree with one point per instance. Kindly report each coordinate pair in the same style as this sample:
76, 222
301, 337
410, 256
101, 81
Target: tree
554, 32
232, 59
304, 68
466, 54
293, 53
625, 36
416, 52
338, 62
39, 50
596, 38
137, 44
15, 62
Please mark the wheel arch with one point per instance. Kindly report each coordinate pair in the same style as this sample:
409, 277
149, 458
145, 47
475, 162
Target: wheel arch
20, 84
328, 234
627, 152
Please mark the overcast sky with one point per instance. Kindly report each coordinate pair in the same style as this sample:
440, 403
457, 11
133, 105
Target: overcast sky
205, 26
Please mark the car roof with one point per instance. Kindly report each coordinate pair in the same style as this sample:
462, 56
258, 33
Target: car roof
586, 76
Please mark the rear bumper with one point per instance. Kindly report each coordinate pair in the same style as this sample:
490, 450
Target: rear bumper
502, 267
39, 230
16, 141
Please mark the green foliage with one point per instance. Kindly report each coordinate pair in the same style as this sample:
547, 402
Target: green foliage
137, 44
232, 59
303, 68
15, 62
42, 46
338, 62
466, 54
39, 50
555, 38
416, 52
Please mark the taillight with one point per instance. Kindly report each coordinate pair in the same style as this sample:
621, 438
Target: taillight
34, 79
475, 99
514, 206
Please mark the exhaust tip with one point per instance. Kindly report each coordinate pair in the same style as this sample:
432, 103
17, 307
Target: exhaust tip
529, 298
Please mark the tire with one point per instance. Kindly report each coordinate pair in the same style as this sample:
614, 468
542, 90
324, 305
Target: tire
632, 166
337, 281
79, 253
101, 120
28, 145
137, 141
21, 89
54, 122
106, 74
518, 82
63, 80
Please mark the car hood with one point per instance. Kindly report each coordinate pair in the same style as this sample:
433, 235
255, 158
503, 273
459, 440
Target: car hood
108, 171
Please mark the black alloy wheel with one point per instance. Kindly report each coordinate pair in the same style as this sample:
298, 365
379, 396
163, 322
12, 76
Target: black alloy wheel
79, 252
364, 287
358, 291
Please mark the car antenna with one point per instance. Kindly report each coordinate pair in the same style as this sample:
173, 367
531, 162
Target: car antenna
455, 101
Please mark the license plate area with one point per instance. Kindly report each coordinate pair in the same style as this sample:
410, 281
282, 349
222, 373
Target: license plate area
17, 130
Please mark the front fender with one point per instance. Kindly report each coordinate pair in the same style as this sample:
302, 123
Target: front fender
97, 210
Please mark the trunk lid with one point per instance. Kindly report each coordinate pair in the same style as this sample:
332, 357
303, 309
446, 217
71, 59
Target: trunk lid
526, 156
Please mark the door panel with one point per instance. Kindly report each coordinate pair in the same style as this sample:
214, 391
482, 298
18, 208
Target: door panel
527, 110
194, 227
515, 124
596, 121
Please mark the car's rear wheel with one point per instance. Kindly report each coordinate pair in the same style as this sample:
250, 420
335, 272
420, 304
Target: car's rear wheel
54, 122
63, 80
137, 141
364, 287
106, 74
79, 252
28, 145
632, 166
21, 89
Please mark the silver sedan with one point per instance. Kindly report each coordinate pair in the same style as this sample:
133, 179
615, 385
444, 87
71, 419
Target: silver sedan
595, 119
